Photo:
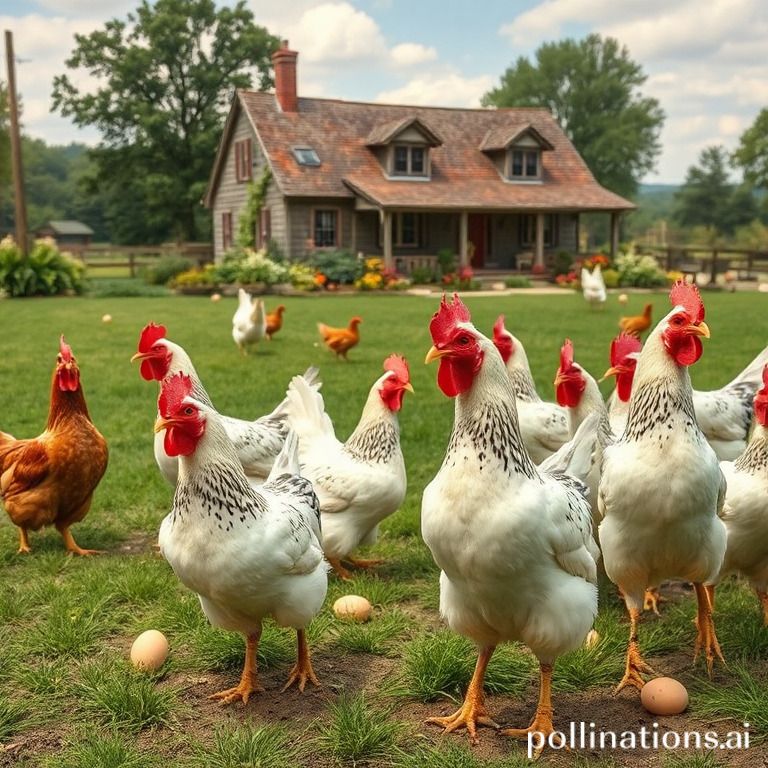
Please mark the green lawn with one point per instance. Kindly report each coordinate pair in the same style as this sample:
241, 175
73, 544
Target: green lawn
67, 695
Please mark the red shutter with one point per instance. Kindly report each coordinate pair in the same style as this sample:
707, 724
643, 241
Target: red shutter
238, 154
248, 159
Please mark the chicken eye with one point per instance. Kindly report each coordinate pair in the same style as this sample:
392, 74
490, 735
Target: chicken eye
189, 410
463, 340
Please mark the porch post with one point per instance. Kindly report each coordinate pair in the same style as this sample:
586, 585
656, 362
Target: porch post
463, 235
353, 233
615, 218
386, 222
538, 256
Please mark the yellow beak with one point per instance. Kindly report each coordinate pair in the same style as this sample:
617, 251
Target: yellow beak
435, 354
702, 329
140, 356
614, 370
409, 388
162, 424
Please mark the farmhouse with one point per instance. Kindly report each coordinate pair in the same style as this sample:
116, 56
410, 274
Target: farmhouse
69, 235
503, 188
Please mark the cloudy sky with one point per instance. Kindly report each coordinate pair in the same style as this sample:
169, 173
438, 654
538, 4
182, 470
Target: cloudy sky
706, 62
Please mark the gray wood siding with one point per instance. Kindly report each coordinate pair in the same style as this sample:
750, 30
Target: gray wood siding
301, 228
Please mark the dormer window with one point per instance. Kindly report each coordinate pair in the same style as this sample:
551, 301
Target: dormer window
306, 156
409, 160
524, 164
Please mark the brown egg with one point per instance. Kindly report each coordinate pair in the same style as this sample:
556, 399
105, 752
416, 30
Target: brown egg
106, 318
352, 607
664, 696
149, 650
215, 297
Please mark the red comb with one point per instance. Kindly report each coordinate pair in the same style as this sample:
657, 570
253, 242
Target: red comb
399, 366
566, 355
173, 392
447, 318
687, 296
149, 335
499, 331
624, 345
65, 350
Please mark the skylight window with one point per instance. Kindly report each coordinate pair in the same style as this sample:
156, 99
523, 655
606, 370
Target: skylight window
306, 156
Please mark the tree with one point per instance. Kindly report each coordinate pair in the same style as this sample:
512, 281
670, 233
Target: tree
5, 151
592, 88
165, 79
752, 152
709, 199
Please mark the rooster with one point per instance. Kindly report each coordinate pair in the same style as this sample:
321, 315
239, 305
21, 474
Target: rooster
661, 490
543, 426
634, 325
745, 512
50, 480
725, 414
361, 481
257, 443
341, 340
274, 321
247, 553
249, 323
593, 287
513, 542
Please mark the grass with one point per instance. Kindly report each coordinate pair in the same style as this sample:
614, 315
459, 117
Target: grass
66, 624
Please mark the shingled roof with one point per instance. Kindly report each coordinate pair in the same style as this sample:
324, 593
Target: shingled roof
463, 176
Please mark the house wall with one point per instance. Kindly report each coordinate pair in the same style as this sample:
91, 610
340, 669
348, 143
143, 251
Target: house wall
232, 195
300, 235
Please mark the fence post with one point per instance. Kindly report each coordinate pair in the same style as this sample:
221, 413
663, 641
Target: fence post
131, 264
713, 270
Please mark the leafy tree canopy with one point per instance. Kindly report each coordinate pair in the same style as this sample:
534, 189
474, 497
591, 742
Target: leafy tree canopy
165, 79
708, 198
752, 152
591, 87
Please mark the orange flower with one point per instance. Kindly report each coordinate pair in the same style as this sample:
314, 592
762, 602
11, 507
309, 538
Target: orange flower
320, 279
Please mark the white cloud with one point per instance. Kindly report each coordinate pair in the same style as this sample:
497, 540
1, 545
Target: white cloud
411, 54
439, 89
75, 8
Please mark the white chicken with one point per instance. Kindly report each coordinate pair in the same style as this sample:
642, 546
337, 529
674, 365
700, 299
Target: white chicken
514, 543
625, 350
745, 512
578, 393
725, 414
361, 481
593, 286
248, 554
661, 490
249, 323
257, 443
543, 425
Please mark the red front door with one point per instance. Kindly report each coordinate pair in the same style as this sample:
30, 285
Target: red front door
477, 229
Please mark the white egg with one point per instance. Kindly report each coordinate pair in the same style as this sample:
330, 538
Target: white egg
106, 318
215, 297
623, 298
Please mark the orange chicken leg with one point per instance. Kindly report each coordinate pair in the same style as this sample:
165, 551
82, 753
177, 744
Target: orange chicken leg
249, 682
636, 665
472, 712
302, 670
706, 638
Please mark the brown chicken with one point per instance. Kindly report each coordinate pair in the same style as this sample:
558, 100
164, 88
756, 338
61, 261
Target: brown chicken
634, 325
341, 340
50, 480
275, 321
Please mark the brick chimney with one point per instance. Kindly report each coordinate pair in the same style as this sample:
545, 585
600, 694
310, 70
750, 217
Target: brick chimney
284, 62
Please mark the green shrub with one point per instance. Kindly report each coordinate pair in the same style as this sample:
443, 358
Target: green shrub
166, 268
45, 272
196, 276
517, 281
302, 277
422, 276
562, 263
611, 278
338, 266
248, 266
639, 271
446, 260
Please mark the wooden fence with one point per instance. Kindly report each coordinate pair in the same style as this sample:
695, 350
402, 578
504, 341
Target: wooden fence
133, 257
694, 259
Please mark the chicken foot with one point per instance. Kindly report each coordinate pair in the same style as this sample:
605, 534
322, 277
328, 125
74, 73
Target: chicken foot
302, 669
636, 666
472, 712
706, 638
542, 721
24, 548
365, 563
249, 682
651, 600
72, 545
344, 573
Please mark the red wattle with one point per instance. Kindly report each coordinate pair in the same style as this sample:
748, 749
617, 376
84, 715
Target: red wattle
68, 380
568, 395
761, 410
392, 397
624, 386
453, 378
178, 443
153, 369
688, 351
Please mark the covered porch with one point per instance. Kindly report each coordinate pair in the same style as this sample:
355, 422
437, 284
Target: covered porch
508, 240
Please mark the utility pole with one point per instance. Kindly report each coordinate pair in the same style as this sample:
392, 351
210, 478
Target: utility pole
18, 172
